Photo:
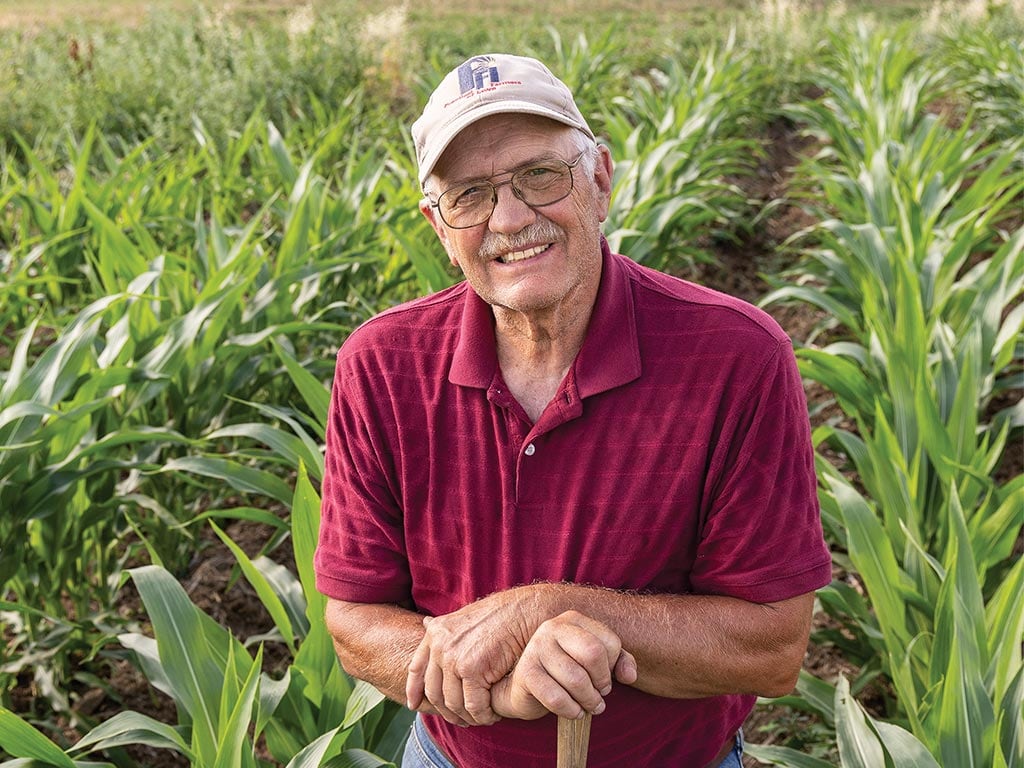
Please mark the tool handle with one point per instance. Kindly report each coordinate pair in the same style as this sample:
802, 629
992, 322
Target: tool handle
573, 740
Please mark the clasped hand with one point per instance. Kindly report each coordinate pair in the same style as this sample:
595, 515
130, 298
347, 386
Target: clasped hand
487, 661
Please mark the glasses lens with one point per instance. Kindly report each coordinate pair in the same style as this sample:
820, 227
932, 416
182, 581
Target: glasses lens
467, 206
543, 184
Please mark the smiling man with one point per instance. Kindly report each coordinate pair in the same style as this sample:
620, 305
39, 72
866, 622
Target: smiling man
568, 483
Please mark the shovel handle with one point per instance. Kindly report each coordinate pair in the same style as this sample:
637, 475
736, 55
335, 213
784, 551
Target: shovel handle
573, 740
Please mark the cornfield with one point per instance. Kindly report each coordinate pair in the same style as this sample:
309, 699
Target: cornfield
176, 275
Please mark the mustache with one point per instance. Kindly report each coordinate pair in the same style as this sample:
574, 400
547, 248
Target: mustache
494, 243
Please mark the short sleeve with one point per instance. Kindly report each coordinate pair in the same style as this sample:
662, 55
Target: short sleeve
761, 538
361, 553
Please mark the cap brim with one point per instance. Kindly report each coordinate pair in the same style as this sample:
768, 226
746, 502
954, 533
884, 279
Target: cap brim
440, 142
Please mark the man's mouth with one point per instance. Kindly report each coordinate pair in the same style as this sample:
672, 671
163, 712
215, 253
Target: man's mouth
514, 256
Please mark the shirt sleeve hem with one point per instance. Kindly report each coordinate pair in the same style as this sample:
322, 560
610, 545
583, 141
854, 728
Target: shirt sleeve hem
353, 592
782, 588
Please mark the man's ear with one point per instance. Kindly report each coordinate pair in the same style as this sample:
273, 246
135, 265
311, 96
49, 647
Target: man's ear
435, 221
603, 168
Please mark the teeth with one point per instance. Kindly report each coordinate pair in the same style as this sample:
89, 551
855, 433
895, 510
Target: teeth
508, 258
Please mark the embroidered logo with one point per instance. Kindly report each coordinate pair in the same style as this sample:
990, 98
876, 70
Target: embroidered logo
473, 74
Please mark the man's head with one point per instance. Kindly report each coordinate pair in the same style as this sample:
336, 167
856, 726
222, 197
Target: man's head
491, 84
516, 186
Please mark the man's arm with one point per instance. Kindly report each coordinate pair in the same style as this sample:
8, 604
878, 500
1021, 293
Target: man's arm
570, 658
685, 646
374, 642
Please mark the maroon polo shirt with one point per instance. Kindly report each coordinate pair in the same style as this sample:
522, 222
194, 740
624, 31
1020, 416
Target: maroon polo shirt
675, 458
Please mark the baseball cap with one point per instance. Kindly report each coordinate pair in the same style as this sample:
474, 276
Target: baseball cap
489, 84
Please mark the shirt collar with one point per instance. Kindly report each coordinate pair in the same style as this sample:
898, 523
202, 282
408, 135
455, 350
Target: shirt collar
609, 357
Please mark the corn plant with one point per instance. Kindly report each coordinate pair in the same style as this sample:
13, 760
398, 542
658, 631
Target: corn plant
931, 340
677, 140
862, 741
124, 423
313, 713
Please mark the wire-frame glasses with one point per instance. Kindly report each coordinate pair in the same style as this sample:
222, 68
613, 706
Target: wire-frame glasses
470, 204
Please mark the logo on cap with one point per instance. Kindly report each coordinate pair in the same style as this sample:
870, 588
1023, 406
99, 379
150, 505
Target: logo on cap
474, 71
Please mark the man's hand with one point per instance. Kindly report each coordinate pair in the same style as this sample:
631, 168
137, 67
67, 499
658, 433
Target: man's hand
568, 667
465, 652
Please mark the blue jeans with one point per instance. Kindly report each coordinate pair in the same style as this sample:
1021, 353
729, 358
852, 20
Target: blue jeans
422, 752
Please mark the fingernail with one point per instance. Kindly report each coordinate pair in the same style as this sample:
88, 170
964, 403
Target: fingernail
599, 708
606, 690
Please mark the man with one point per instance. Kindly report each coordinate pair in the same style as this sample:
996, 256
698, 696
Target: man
568, 483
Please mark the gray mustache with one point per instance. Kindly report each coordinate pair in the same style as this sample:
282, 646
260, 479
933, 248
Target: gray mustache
497, 243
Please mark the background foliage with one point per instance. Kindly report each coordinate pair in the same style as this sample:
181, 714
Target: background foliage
198, 204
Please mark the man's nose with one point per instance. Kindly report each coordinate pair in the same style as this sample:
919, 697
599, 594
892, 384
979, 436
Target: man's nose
510, 213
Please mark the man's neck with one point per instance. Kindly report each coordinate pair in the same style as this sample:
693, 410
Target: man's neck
536, 351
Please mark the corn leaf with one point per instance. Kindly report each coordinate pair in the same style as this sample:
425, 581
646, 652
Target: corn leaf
22, 740
784, 756
233, 749
186, 654
126, 728
364, 698
906, 751
859, 746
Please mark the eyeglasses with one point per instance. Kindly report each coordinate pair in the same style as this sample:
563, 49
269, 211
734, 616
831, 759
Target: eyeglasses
468, 205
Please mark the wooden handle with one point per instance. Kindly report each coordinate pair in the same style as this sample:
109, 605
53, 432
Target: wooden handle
573, 740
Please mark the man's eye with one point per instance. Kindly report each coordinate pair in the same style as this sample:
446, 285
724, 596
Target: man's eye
537, 172
468, 196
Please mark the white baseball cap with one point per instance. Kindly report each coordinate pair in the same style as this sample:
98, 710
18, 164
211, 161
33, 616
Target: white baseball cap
490, 84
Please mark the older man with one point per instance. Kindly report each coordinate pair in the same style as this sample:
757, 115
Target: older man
568, 483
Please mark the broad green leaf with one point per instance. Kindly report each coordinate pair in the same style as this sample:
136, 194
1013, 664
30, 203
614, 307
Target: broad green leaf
1004, 625
126, 728
859, 746
904, 748
360, 758
314, 753
316, 395
20, 739
872, 554
1011, 716
185, 654
305, 521
963, 718
364, 698
233, 749
784, 756
239, 476
264, 591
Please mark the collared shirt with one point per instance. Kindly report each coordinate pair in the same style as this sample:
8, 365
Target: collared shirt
675, 458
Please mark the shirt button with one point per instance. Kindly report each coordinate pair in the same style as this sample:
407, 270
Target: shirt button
531, 449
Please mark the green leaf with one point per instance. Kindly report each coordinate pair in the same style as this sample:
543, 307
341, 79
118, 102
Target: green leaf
963, 718
232, 748
239, 476
189, 660
313, 754
784, 756
22, 740
313, 391
859, 746
360, 758
129, 727
904, 748
264, 591
305, 532
364, 699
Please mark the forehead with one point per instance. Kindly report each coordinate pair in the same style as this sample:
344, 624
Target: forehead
500, 142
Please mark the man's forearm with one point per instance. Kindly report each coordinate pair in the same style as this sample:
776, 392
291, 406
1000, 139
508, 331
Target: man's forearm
689, 646
375, 642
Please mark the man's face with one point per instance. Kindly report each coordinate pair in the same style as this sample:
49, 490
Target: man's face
528, 260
